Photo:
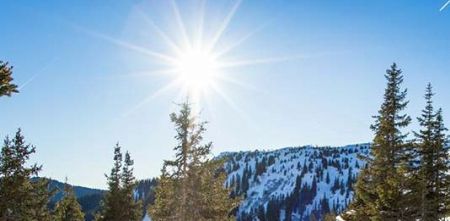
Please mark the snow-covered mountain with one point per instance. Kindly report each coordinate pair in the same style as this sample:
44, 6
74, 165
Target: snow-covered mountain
294, 183
289, 184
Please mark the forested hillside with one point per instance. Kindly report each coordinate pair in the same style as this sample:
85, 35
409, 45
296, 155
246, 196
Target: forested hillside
294, 183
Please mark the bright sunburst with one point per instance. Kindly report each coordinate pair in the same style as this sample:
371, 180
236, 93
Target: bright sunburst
197, 70
196, 62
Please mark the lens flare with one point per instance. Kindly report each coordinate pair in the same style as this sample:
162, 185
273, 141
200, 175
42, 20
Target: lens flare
197, 70
197, 58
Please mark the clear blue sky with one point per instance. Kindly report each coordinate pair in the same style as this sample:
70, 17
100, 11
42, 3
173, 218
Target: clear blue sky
79, 88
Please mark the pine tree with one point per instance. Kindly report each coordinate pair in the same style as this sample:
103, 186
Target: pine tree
434, 162
119, 202
7, 88
22, 198
112, 203
131, 208
41, 196
191, 186
384, 188
165, 205
213, 199
68, 209
426, 150
442, 166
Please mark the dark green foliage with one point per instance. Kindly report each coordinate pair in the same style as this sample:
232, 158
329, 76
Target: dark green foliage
433, 158
191, 185
384, 190
22, 199
132, 210
41, 195
145, 189
88, 198
7, 88
404, 181
68, 209
119, 203
165, 203
111, 205
90, 205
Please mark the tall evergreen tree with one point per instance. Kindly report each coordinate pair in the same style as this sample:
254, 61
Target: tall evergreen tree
165, 203
212, 197
427, 157
191, 186
7, 88
111, 208
68, 208
131, 207
22, 198
384, 188
119, 202
442, 165
434, 162
41, 196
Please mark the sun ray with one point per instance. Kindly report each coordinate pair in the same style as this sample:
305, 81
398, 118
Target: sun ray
239, 42
232, 64
173, 84
197, 66
236, 82
159, 72
180, 24
141, 74
209, 105
160, 32
131, 46
201, 20
229, 101
223, 26
137, 106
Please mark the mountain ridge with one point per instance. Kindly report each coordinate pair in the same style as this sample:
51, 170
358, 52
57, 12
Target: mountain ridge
294, 183
291, 183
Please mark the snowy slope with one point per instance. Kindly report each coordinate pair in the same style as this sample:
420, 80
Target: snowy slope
294, 183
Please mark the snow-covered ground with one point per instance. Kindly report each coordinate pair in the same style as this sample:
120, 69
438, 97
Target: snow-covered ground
314, 176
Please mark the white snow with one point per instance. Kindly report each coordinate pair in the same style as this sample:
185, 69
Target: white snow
278, 180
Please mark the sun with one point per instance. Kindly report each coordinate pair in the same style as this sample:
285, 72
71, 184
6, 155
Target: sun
197, 70
195, 56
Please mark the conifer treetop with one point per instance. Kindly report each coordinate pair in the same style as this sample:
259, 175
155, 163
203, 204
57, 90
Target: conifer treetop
7, 88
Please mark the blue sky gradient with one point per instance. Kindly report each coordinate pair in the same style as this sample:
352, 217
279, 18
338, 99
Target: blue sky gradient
79, 89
